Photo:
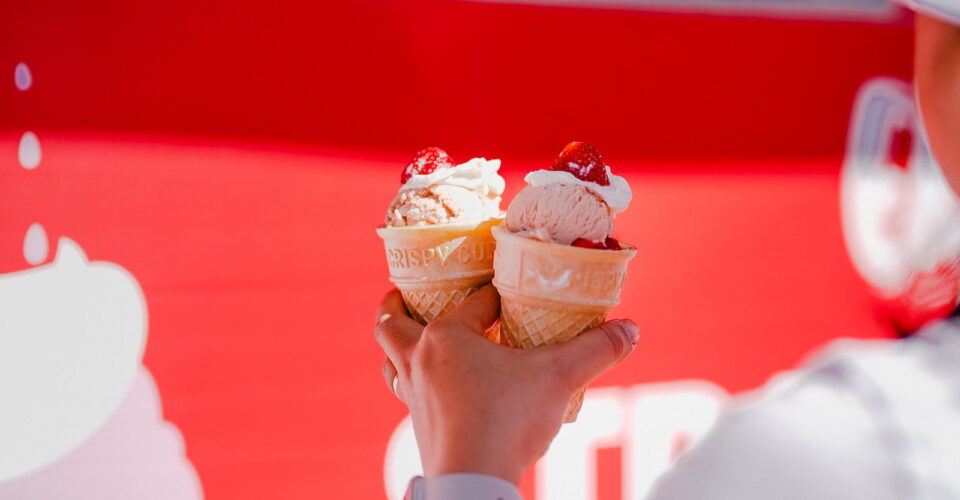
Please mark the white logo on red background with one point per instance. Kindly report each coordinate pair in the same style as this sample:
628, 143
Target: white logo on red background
651, 424
73, 335
80, 416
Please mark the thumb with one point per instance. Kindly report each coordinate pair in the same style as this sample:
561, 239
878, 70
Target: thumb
594, 351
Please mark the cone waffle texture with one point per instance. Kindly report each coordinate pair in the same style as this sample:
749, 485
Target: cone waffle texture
551, 293
436, 267
429, 304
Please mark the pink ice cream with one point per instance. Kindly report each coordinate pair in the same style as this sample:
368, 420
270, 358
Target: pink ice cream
560, 213
573, 203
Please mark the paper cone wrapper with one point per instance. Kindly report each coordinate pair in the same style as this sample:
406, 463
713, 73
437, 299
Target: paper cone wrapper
436, 267
550, 293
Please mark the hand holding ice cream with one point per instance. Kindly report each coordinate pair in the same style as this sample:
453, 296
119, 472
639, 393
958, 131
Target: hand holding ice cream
559, 271
558, 267
481, 407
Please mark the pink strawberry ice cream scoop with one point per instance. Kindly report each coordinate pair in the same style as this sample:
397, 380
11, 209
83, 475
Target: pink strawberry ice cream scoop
436, 191
560, 213
574, 203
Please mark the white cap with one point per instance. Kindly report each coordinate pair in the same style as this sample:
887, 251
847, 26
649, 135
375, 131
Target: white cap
947, 10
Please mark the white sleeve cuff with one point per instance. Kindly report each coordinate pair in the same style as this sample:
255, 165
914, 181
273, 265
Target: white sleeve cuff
947, 10
463, 487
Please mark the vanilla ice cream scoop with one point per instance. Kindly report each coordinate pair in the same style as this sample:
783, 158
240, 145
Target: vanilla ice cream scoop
444, 194
433, 205
560, 213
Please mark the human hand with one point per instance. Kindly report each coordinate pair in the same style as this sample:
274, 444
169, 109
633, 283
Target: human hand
478, 406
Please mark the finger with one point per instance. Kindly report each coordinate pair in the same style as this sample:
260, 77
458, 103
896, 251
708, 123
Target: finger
479, 311
396, 331
392, 305
592, 352
390, 376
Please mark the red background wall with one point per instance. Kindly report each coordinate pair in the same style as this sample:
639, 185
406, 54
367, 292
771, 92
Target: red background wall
474, 77
236, 156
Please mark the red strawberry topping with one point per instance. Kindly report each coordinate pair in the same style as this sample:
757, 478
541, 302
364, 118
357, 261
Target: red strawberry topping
425, 162
608, 244
584, 162
582, 243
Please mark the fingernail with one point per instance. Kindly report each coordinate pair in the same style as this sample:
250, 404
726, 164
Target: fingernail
630, 328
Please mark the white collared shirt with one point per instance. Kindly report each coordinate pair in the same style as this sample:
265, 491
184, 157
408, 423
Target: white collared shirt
461, 487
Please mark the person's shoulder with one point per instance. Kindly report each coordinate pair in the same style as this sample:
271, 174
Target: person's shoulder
806, 438
947, 10
886, 373
826, 430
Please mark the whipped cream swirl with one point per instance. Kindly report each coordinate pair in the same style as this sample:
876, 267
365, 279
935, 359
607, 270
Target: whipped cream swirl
478, 175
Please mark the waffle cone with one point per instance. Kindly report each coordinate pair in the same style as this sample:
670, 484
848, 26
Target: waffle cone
436, 267
551, 293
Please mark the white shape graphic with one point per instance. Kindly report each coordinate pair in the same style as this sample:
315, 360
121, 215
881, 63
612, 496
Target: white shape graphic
22, 77
29, 151
402, 461
647, 421
562, 281
135, 454
661, 414
569, 468
35, 245
72, 334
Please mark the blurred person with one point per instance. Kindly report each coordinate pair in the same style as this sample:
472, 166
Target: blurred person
864, 420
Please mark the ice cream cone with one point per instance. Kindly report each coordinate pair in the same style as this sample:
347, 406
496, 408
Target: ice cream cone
435, 267
550, 293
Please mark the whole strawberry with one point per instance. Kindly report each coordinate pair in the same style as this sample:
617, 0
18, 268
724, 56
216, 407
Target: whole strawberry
584, 162
426, 161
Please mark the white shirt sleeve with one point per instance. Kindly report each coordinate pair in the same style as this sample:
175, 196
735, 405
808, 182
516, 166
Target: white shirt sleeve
462, 487
814, 443
948, 10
